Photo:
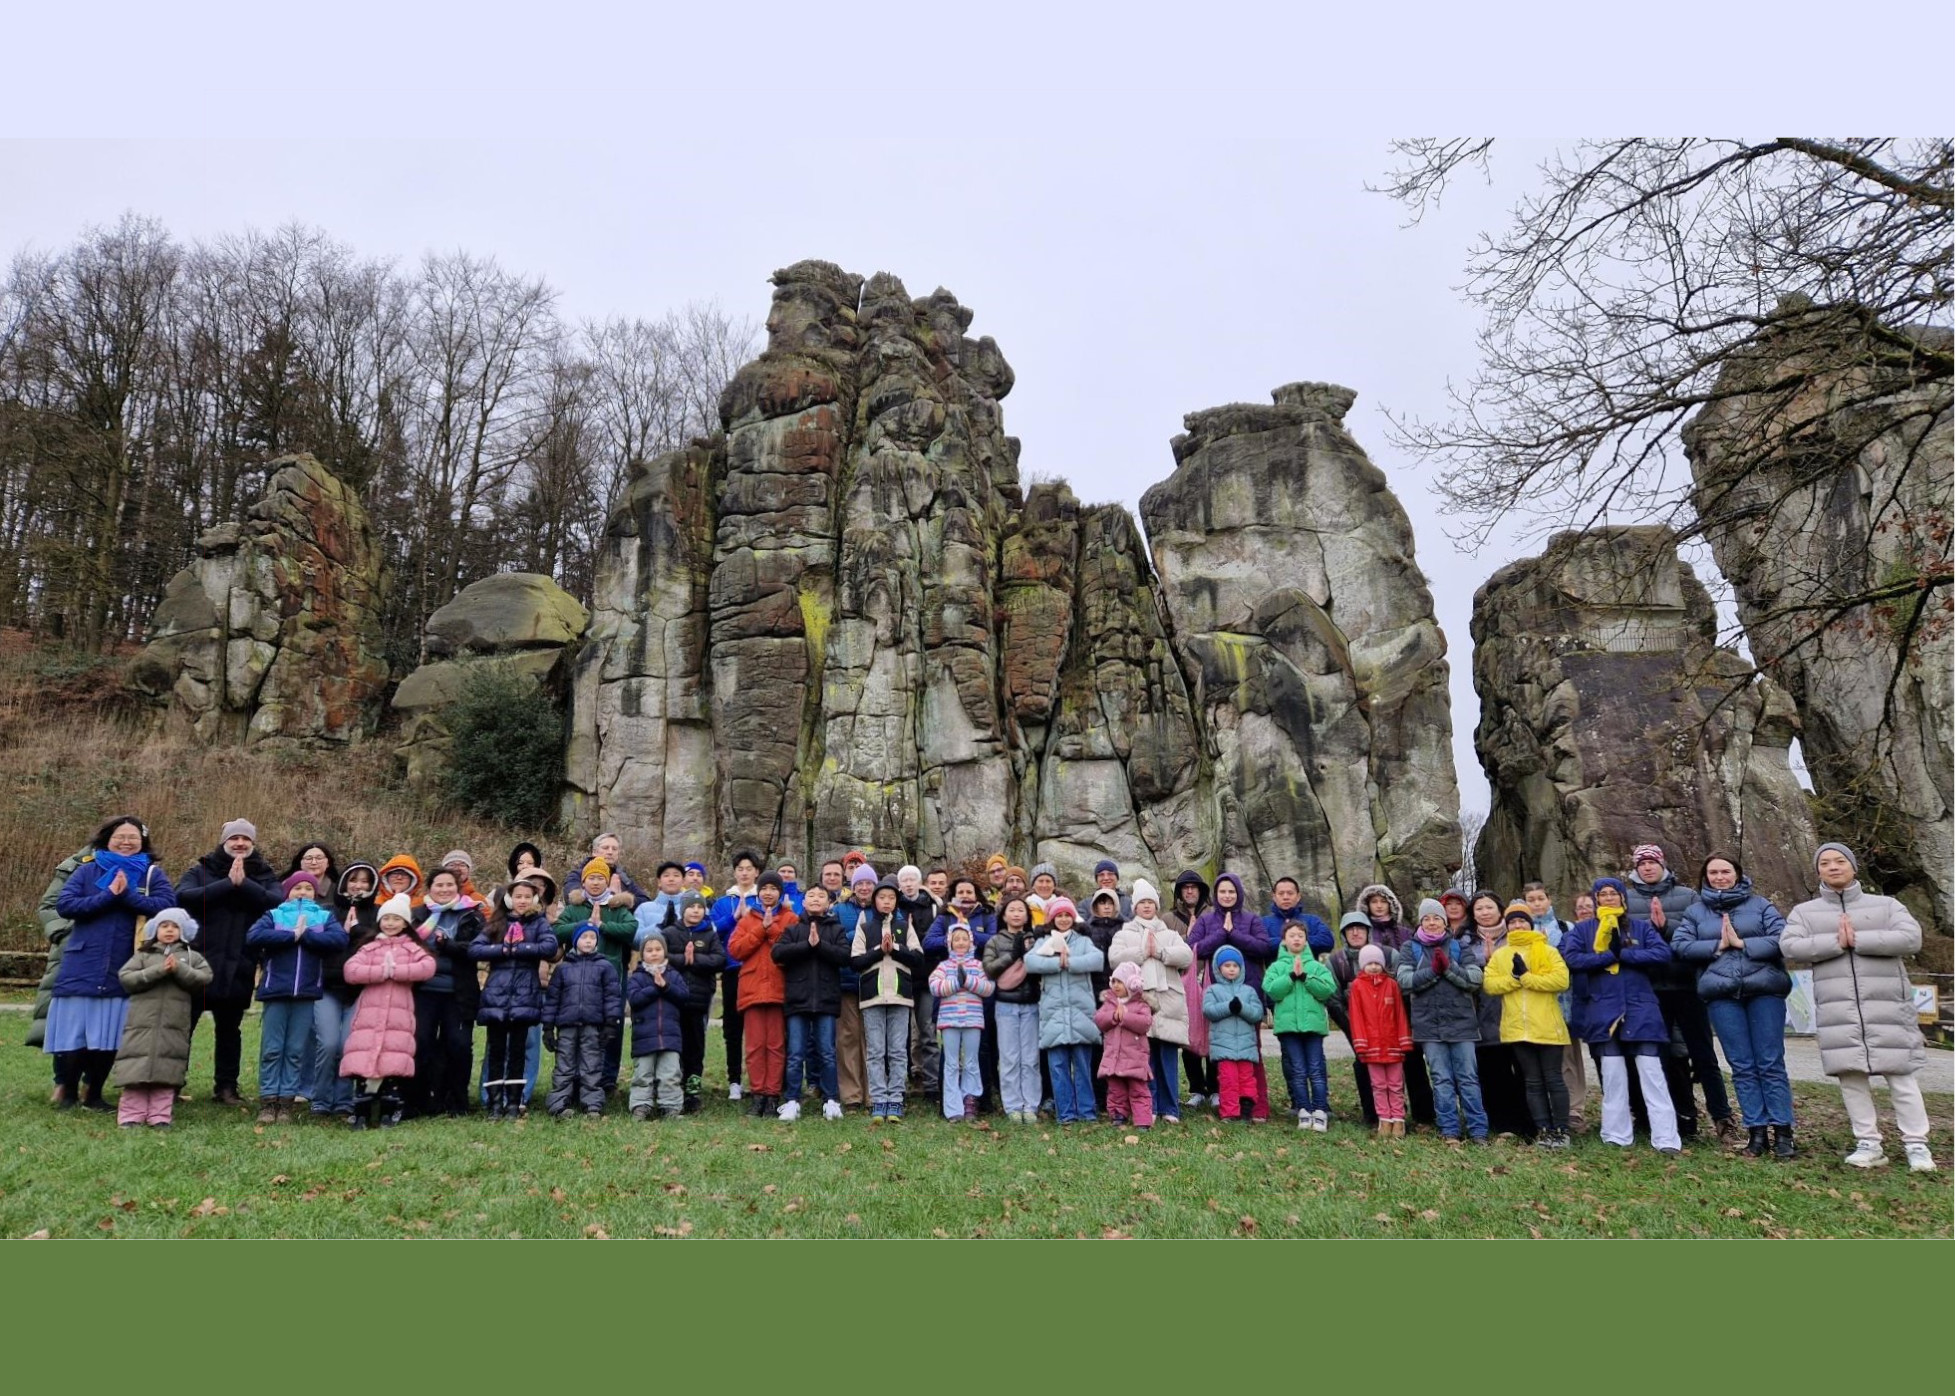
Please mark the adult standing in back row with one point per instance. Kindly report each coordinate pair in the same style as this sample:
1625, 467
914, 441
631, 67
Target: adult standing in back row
1653, 893
227, 890
1855, 941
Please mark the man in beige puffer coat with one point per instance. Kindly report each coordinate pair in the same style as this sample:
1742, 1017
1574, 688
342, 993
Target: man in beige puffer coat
1855, 941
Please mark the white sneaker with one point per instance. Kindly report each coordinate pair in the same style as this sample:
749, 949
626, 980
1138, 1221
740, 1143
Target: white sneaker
790, 1110
733, 1091
1303, 1119
1867, 1155
1320, 1120
831, 1109
1920, 1160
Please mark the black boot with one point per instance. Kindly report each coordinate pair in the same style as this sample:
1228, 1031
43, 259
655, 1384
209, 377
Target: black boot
1755, 1141
1783, 1142
391, 1109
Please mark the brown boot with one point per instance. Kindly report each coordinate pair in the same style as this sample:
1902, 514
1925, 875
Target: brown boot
227, 1095
1729, 1133
284, 1115
267, 1110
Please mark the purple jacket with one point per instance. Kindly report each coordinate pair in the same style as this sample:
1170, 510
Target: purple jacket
1247, 933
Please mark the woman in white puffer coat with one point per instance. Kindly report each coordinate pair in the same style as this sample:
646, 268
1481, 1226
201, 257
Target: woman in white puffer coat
1855, 941
1163, 954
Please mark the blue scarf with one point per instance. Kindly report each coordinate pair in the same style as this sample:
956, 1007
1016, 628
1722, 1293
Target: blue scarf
131, 865
294, 915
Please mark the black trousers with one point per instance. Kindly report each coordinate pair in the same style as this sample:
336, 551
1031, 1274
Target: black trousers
506, 1055
1541, 1077
444, 1054
1202, 1076
1503, 1093
72, 1069
1685, 1015
692, 1046
227, 1019
730, 1023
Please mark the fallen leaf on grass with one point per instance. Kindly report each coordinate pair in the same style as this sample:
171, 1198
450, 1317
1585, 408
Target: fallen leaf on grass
676, 1189
1429, 1215
1246, 1224
596, 1233
769, 1148
558, 1195
40, 1235
1131, 1139
685, 1228
280, 1180
206, 1208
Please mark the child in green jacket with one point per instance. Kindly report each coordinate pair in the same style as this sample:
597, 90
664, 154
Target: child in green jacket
1298, 986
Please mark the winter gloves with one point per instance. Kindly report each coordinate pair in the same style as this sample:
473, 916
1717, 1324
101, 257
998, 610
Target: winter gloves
1235, 1006
550, 1039
1440, 959
1520, 966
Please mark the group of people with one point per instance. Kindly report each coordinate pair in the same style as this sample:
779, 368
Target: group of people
996, 993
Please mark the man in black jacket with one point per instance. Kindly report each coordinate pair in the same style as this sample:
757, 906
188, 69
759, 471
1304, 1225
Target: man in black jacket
812, 957
226, 890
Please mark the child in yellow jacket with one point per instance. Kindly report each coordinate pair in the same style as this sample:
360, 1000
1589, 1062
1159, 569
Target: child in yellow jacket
1528, 974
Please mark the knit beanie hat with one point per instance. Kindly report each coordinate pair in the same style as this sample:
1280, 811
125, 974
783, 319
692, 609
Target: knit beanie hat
1599, 884
455, 857
1128, 973
398, 905
1429, 907
1646, 853
1144, 891
236, 827
690, 899
1061, 906
1106, 865
1227, 955
997, 860
1040, 870
863, 874
853, 856
1519, 909
699, 868
595, 864
1016, 871
770, 879
1841, 849
294, 879
1371, 955
186, 923
587, 929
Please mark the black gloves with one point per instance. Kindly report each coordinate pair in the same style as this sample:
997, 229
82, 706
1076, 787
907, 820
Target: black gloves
550, 1039
1616, 940
1235, 1007
1520, 965
613, 1032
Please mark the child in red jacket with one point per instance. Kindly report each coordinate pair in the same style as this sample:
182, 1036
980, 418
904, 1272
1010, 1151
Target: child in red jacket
1382, 1037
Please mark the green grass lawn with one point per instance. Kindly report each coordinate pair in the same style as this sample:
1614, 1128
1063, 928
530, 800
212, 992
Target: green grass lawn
718, 1174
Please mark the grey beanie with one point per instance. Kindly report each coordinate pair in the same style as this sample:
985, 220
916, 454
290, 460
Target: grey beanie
690, 899
1841, 849
1040, 870
236, 827
1429, 907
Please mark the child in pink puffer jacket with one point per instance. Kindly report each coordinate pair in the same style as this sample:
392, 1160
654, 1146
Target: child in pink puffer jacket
380, 1044
1124, 1019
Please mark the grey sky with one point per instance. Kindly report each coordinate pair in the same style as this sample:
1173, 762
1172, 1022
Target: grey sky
1126, 282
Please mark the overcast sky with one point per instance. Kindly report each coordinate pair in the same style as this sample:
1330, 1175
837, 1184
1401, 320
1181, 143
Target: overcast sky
1127, 282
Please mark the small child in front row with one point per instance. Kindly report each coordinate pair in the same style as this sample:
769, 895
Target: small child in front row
153, 1060
1298, 986
1124, 1019
582, 1007
1381, 1036
1234, 1012
961, 986
380, 1042
660, 998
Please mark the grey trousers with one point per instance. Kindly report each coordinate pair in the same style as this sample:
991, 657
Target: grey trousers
578, 1077
656, 1081
886, 1043
925, 1056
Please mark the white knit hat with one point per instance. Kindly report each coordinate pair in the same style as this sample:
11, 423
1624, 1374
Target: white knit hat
1144, 891
398, 905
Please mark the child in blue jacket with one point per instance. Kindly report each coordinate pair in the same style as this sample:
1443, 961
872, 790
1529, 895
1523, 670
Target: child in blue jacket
661, 1000
292, 940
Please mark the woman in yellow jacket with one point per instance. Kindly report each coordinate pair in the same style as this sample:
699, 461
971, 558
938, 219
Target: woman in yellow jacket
1527, 974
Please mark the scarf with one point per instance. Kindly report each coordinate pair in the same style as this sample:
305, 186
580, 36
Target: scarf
131, 865
1607, 918
298, 915
1426, 937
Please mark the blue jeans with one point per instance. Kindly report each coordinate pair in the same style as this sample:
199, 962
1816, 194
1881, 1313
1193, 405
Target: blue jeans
284, 1047
808, 1031
1165, 1080
1304, 1074
1072, 1084
1753, 1034
1454, 1071
1018, 1057
331, 1093
959, 1071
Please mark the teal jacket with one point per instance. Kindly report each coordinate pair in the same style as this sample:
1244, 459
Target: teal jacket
1233, 1036
1298, 1002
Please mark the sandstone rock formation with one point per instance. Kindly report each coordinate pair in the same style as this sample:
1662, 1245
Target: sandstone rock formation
1307, 630
1610, 716
521, 622
273, 631
1816, 495
840, 623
